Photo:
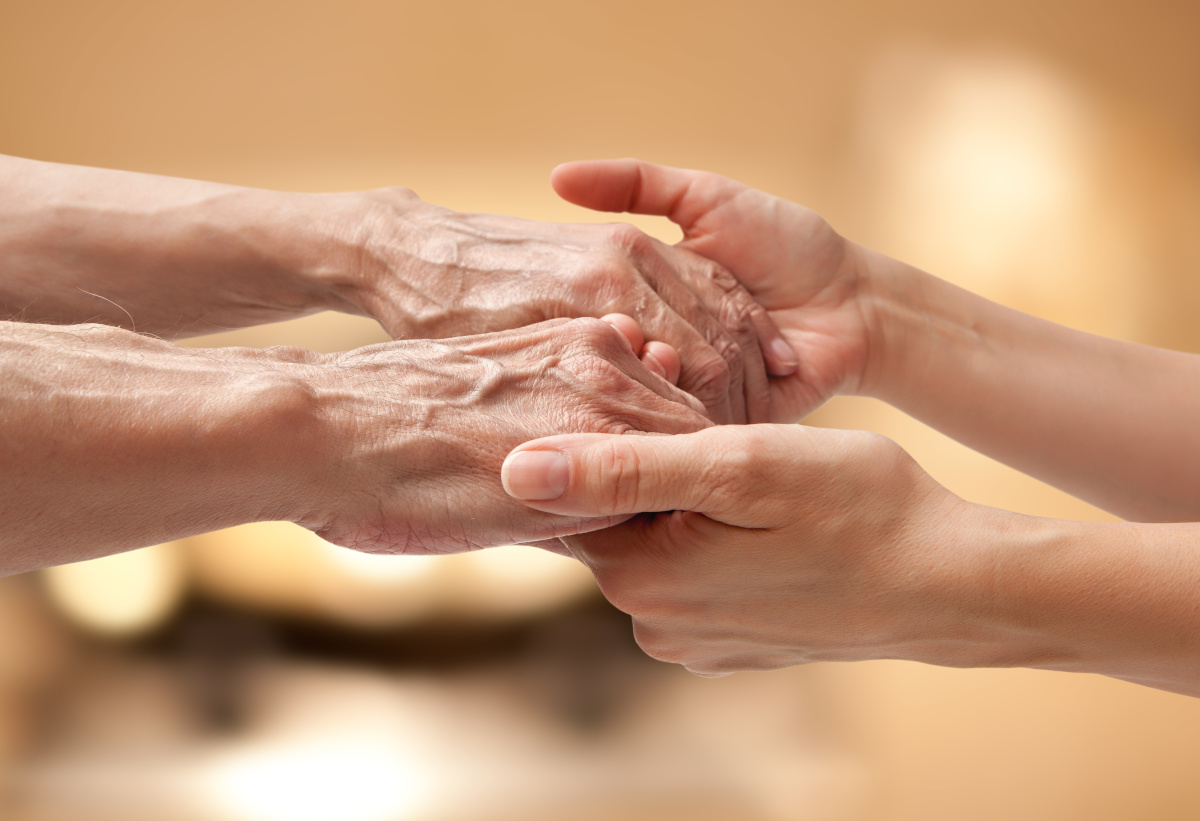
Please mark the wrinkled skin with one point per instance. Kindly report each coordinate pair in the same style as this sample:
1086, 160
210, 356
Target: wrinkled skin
424, 427
811, 280
431, 272
179, 258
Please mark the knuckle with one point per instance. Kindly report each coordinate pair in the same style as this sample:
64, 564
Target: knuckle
615, 469
601, 377
595, 336
712, 376
737, 468
721, 276
604, 278
629, 239
738, 313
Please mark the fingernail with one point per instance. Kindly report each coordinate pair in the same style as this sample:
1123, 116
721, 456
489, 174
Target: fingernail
653, 365
785, 357
536, 475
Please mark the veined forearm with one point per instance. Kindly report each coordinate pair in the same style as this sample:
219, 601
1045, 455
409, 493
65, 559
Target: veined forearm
111, 441
1109, 421
167, 256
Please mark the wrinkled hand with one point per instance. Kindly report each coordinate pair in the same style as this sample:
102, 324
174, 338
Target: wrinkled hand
790, 260
434, 273
787, 544
420, 429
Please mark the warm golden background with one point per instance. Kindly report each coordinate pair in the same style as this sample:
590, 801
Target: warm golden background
1043, 152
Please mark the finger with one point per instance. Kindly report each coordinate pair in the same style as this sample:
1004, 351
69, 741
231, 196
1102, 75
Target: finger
780, 356
629, 328
663, 360
738, 313
610, 342
643, 188
634, 368
751, 317
777, 354
688, 324
609, 475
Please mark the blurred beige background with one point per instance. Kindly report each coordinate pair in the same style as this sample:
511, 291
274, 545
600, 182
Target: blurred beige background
1045, 154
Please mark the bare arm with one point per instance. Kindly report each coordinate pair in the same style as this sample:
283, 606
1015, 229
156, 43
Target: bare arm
177, 257
167, 256
790, 545
1109, 421
111, 440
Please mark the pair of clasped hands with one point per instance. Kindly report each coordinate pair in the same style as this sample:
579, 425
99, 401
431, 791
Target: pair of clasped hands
737, 547
621, 441
114, 438
706, 530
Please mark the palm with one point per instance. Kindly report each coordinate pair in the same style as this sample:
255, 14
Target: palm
785, 255
798, 268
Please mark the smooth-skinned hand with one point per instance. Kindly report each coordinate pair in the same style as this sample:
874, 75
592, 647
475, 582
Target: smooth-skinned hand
810, 279
763, 546
433, 273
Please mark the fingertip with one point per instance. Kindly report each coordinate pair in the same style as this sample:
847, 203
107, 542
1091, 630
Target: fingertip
663, 360
654, 366
561, 175
781, 357
536, 475
602, 185
630, 330
574, 181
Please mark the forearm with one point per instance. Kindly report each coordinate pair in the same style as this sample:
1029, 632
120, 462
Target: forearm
1119, 599
1109, 421
111, 440
168, 256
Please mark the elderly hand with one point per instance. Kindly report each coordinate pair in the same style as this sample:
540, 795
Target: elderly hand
786, 544
181, 257
113, 440
430, 272
418, 430
812, 282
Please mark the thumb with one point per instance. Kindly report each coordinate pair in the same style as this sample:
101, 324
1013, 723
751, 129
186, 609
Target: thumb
643, 188
612, 474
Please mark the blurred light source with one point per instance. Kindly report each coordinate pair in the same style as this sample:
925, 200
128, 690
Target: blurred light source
346, 779
982, 163
517, 580
989, 168
121, 595
279, 566
373, 568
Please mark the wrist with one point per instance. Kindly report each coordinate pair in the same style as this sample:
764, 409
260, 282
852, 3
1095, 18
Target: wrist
364, 256
309, 248
351, 421
1113, 598
982, 591
282, 447
912, 319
